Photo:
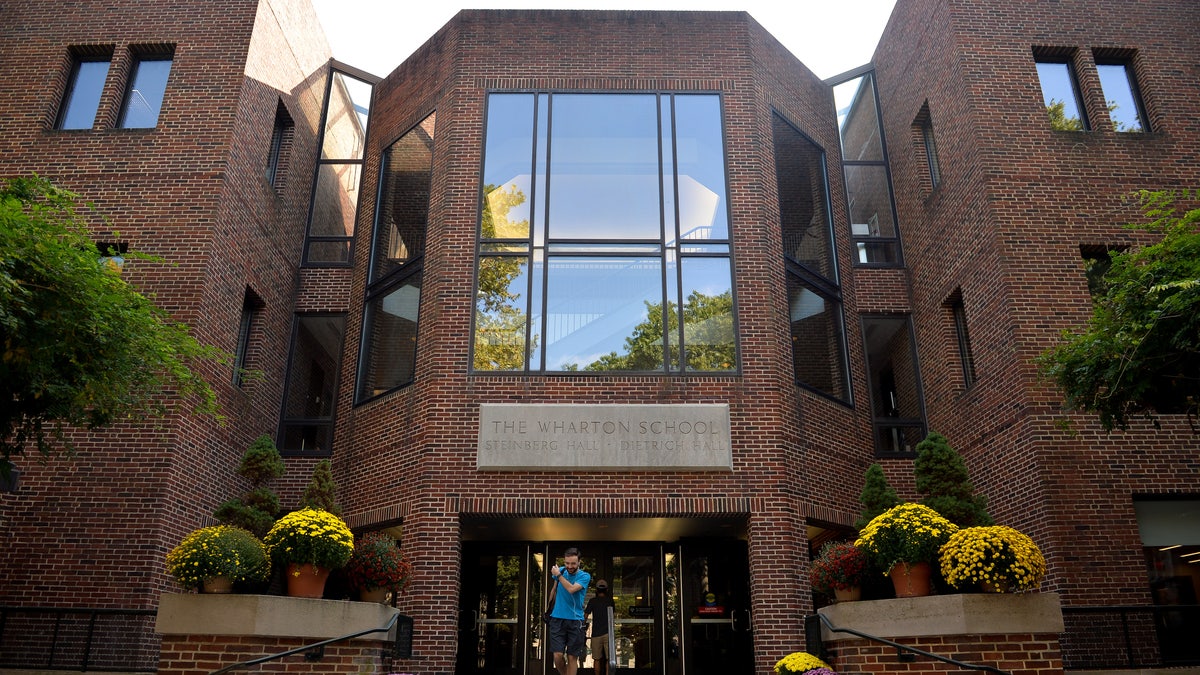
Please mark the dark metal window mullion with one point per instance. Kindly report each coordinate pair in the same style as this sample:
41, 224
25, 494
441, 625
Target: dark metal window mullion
682, 367
545, 277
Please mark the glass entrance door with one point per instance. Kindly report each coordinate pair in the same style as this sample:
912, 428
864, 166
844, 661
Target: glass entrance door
715, 581
679, 609
634, 573
493, 609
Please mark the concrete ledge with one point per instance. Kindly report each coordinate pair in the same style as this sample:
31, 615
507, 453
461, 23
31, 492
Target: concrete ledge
958, 614
269, 615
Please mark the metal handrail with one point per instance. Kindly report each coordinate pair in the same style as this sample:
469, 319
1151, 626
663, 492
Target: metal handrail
874, 638
263, 659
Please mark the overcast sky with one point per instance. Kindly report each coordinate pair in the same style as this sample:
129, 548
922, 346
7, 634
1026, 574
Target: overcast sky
828, 36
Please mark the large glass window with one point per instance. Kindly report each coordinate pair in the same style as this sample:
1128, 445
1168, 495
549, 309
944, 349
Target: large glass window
1170, 533
82, 98
1121, 95
865, 168
604, 235
896, 399
1060, 93
339, 170
147, 87
814, 300
312, 377
389, 344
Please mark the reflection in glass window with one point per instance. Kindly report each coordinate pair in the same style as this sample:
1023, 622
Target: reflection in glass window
865, 169
896, 400
604, 235
1061, 96
82, 99
143, 100
389, 343
818, 342
403, 199
604, 167
1120, 94
307, 426
803, 200
389, 348
339, 171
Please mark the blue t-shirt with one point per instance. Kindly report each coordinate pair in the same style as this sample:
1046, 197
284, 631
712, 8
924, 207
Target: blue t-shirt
570, 605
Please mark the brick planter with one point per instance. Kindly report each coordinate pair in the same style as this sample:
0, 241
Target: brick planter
1015, 633
203, 633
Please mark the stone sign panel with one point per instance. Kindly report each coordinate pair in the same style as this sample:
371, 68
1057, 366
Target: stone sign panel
570, 437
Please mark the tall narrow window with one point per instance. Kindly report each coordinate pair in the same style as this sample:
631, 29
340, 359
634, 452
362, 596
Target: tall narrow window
251, 307
897, 403
282, 136
312, 378
1060, 91
82, 97
1121, 94
388, 357
604, 235
339, 169
814, 297
958, 314
867, 175
927, 145
147, 87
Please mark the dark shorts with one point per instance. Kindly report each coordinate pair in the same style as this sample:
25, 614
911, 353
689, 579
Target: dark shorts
567, 636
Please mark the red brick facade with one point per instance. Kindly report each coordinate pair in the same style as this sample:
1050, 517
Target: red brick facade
1001, 231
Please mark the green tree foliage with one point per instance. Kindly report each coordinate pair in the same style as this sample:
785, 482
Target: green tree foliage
1140, 352
708, 331
321, 492
876, 497
500, 314
1058, 117
941, 475
255, 510
81, 346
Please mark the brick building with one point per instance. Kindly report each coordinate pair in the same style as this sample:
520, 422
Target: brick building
633, 281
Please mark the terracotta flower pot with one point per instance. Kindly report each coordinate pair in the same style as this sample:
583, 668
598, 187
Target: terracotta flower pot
306, 580
911, 580
217, 585
848, 594
373, 595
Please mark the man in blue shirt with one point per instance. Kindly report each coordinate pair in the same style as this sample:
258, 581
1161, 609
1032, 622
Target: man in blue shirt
567, 633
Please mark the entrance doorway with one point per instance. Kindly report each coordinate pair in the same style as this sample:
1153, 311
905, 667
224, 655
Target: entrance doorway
681, 607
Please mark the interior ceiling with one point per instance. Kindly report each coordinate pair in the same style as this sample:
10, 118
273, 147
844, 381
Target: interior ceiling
599, 529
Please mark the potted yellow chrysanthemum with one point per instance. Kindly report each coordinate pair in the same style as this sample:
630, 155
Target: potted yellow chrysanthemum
311, 543
802, 662
212, 559
995, 559
903, 542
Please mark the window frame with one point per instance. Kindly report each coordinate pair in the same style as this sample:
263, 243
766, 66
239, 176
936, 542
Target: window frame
881, 422
1103, 59
306, 259
135, 64
330, 423
393, 279
861, 243
962, 336
540, 247
1065, 58
78, 58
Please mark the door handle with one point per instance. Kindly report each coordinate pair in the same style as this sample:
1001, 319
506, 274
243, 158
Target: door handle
740, 626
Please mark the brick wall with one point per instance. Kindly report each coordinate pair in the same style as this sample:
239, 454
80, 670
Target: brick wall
194, 191
1019, 654
202, 654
